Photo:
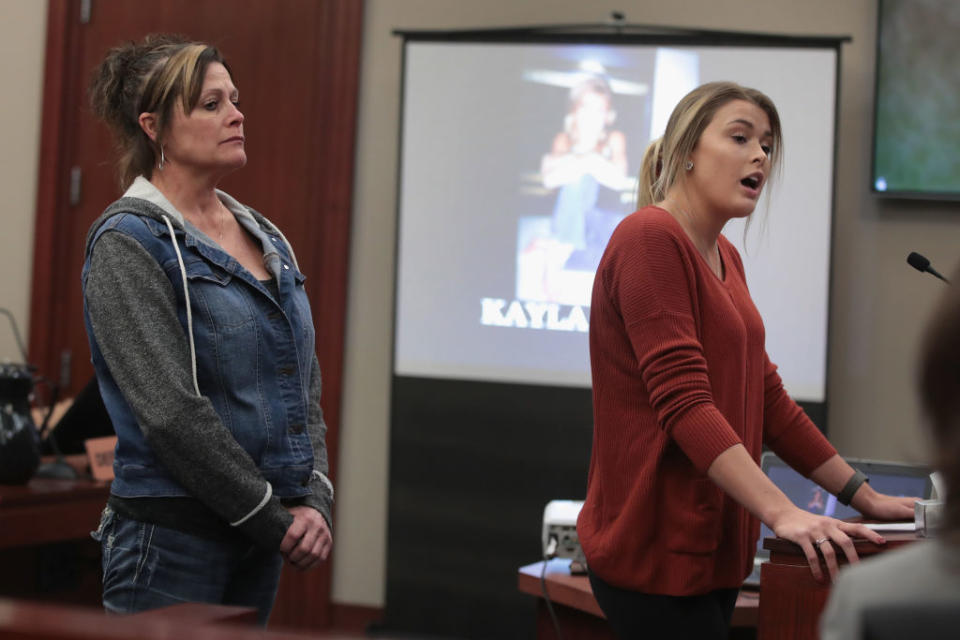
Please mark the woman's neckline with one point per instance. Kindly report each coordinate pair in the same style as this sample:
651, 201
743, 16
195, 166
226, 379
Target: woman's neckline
722, 276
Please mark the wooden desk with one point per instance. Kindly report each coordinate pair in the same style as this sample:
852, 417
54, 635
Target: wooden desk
792, 600
46, 552
46, 510
579, 614
24, 620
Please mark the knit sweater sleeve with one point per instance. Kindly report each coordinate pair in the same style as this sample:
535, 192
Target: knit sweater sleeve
133, 315
651, 280
788, 430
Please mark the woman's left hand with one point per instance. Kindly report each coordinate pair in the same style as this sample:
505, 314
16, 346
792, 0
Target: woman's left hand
879, 506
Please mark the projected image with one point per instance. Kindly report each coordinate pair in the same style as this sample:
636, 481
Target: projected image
586, 167
585, 173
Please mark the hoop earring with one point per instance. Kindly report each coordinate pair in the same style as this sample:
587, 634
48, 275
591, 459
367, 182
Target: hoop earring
162, 159
688, 166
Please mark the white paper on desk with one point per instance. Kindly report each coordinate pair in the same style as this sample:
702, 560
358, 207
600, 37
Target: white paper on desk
892, 526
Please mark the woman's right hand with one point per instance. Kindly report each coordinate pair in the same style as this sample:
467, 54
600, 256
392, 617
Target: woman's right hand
815, 533
308, 540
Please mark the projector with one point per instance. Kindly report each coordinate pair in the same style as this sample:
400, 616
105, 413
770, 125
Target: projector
560, 533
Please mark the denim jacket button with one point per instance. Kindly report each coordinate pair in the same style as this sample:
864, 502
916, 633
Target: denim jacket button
296, 429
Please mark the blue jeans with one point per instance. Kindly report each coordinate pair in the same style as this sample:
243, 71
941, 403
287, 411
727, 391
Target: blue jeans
146, 566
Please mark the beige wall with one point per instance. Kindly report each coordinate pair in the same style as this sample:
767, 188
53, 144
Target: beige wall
878, 304
23, 35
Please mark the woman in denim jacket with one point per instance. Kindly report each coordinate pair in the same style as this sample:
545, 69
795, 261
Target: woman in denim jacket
203, 345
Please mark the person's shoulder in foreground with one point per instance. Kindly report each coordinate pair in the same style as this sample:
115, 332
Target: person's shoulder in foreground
926, 571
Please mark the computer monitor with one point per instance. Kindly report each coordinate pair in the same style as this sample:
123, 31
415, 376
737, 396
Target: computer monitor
886, 477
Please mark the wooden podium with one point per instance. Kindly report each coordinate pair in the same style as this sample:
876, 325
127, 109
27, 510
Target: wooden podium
791, 600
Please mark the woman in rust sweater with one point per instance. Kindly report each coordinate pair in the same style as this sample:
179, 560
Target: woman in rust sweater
685, 395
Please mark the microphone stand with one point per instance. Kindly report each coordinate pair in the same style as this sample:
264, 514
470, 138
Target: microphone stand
59, 468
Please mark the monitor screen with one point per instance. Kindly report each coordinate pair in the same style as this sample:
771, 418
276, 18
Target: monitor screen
916, 136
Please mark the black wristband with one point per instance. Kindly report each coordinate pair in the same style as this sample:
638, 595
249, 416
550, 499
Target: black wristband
846, 494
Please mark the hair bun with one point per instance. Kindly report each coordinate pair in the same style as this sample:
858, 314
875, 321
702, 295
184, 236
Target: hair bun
117, 82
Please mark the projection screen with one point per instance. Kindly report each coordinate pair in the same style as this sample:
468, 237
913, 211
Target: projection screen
492, 287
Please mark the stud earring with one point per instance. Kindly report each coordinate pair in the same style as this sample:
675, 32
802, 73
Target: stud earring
689, 165
162, 159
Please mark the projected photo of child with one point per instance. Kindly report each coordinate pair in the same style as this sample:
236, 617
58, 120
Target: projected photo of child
587, 165
585, 174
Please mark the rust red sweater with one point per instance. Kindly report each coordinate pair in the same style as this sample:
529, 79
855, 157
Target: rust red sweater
680, 374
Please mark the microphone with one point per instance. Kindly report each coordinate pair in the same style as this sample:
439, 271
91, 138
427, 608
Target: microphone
921, 264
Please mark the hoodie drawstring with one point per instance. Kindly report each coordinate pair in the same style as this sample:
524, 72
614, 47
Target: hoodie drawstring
186, 297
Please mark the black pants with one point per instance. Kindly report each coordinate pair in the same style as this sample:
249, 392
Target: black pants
635, 616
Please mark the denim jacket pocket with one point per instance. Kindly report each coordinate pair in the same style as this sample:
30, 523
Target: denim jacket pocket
224, 325
215, 296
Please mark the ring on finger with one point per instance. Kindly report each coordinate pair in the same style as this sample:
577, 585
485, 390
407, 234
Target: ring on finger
819, 541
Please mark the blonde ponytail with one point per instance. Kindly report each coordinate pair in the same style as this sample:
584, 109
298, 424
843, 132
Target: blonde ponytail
649, 179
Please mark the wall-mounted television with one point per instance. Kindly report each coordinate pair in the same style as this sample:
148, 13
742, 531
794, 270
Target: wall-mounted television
917, 109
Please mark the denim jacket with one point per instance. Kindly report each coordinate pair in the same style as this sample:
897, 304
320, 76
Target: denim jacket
245, 377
